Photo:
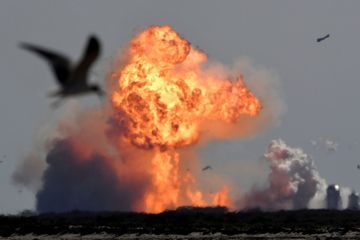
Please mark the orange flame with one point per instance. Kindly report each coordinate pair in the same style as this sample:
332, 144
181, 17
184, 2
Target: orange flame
163, 96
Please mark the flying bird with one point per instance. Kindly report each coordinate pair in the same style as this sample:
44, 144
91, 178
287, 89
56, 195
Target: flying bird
358, 166
208, 167
72, 78
322, 38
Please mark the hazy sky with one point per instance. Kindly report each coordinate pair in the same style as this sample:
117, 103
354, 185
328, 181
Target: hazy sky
320, 82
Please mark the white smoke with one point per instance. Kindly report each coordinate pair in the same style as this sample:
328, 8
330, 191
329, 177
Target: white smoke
293, 181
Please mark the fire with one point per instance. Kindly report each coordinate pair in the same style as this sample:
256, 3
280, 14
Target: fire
162, 96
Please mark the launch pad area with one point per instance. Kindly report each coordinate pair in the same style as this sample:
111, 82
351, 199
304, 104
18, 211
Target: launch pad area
185, 223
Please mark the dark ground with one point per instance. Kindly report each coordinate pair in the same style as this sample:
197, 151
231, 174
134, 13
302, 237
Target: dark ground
185, 221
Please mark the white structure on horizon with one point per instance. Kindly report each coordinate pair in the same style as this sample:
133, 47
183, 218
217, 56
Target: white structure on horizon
353, 201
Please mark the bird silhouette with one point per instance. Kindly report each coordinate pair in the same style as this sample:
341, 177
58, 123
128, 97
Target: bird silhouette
72, 78
323, 38
208, 167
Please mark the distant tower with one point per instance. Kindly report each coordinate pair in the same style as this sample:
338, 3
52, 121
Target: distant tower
333, 199
354, 201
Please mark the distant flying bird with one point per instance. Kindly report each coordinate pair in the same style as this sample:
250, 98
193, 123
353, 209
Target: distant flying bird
208, 167
323, 38
358, 166
72, 78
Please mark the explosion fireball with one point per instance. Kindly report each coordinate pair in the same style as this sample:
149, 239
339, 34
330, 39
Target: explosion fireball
165, 95
138, 153
162, 97
166, 98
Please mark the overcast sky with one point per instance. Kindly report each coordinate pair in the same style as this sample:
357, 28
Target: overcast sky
320, 81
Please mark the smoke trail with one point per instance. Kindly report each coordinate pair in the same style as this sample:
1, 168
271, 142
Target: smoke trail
293, 180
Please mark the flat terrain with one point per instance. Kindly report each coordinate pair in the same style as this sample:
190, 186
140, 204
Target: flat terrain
185, 223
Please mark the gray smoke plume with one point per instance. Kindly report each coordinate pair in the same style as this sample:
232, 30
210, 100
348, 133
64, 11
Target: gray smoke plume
84, 184
293, 180
28, 174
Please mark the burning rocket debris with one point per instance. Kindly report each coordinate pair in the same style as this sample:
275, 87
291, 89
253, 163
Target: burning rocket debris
166, 95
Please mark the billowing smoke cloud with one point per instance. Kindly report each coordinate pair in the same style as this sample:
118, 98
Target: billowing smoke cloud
29, 173
84, 184
137, 153
293, 180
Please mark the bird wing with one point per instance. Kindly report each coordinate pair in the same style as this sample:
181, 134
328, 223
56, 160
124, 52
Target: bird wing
323, 38
206, 168
59, 63
91, 53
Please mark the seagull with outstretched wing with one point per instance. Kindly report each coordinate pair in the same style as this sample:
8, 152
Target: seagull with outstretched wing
72, 78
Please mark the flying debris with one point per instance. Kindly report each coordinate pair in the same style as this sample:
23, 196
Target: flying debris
313, 142
322, 38
72, 78
331, 145
325, 144
208, 167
